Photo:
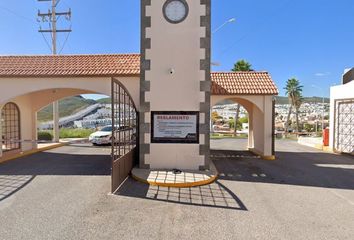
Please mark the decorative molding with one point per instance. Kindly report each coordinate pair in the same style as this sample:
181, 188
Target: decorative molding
145, 65
205, 85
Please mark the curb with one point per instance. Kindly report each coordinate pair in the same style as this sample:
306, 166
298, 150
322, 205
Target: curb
268, 158
31, 152
177, 185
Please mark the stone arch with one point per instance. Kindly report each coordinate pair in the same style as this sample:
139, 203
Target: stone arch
32, 94
259, 108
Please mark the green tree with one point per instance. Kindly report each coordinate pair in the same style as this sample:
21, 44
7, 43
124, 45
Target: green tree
242, 66
297, 104
294, 93
214, 117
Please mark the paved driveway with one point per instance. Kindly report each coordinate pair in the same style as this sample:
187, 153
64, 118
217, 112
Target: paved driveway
306, 194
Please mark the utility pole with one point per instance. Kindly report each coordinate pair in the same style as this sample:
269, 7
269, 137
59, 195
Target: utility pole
52, 17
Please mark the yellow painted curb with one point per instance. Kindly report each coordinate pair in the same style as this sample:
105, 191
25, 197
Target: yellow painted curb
31, 152
177, 185
268, 158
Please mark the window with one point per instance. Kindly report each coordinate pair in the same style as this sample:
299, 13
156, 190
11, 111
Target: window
10, 122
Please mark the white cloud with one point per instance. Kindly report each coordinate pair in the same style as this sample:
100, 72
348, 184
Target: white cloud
322, 74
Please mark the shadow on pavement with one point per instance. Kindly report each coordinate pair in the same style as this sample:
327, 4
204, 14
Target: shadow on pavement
11, 184
50, 163
215, 195
316, 169
16, 174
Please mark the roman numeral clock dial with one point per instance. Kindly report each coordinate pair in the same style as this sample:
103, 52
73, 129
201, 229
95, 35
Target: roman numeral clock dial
175, 11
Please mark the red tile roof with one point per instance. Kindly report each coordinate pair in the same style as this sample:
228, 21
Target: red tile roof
243, 83
70, 65
223, 83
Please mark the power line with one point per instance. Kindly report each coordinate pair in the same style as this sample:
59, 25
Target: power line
52, 17
27, 19
227, 50
65, 41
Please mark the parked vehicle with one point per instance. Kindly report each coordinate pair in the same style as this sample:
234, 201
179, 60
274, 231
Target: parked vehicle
104, 136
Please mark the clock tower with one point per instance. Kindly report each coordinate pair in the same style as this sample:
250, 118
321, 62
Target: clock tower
175, 84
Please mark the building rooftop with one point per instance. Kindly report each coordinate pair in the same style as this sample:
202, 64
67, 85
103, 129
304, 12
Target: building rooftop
223, 83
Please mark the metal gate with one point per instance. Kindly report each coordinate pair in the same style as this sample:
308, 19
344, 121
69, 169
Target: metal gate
124, 134
344, 126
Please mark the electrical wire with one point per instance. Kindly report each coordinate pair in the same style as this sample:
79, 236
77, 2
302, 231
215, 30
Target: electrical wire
27, 19
227, 50
65, 41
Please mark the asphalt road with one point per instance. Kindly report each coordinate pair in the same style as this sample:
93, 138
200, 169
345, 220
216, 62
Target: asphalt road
63, 194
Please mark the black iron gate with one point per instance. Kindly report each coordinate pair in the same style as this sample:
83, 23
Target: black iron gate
124, 134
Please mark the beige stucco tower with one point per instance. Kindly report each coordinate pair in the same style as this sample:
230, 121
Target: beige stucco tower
175, 84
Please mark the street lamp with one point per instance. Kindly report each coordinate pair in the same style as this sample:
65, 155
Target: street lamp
319, 88
231, 20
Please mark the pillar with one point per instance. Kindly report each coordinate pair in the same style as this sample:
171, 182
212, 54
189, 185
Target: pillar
268, 128
250, 130
56, 121
1, 131
34, 130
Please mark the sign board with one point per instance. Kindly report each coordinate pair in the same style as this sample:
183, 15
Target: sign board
175, 127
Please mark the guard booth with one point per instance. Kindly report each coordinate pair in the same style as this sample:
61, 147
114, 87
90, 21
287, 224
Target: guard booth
161, 98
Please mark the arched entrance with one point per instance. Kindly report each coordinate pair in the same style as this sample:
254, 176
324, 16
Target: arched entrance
124, 117
260, 114
226, 132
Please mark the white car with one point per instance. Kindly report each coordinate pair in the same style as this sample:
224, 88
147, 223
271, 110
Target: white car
104, 136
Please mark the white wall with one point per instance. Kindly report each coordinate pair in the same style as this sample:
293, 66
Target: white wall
340, 92
24, 104
177, 47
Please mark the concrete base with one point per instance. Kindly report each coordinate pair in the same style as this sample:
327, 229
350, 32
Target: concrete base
167, 178
256, 152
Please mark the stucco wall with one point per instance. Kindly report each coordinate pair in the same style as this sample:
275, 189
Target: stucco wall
340, 92
175, 47
24, 104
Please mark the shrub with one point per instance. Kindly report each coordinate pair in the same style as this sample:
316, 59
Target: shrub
45, 136
75, 133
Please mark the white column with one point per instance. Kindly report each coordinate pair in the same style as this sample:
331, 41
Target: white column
34, 130
0, 132
331, 120
56, 121
250, 129
268, 121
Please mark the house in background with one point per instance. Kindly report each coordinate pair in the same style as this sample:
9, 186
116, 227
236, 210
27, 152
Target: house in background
342, 115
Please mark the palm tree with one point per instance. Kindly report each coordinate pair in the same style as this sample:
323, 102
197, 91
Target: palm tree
298, 102
294, 92
240, 66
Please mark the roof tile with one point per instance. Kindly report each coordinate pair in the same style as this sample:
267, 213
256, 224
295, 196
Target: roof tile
223, 83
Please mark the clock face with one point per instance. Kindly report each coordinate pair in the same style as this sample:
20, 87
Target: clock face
175, 11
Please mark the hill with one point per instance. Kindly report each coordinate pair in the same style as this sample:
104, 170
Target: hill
67, 107
104, 100
285, 100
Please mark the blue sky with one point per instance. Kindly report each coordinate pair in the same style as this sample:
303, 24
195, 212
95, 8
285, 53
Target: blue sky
311, 40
